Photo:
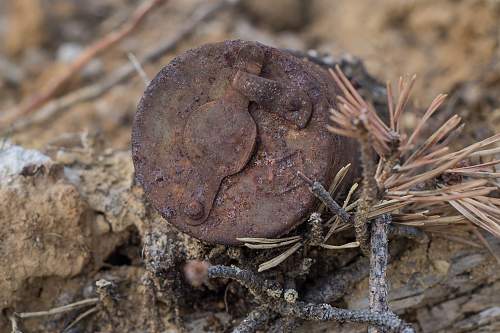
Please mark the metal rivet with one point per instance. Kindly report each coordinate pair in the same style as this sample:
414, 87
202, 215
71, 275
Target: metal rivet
194, 210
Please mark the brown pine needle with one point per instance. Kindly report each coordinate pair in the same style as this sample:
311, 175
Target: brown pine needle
336, 220
483, 240
441, 133
421, 178
411, 169
477, 174
436, 103
445, 197
390, 106
458, 187
486, 152
405, 87
478, 167
423, 161
476, 216
337, 180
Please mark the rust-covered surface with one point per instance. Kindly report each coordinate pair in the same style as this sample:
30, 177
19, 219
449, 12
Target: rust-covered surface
221, 132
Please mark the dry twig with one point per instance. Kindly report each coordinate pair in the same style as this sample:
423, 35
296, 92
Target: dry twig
56, 106
321, 193
379, 256
108, 41
307, 311
61, 309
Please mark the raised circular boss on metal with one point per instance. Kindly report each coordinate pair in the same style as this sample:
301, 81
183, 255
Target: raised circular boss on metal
221, 133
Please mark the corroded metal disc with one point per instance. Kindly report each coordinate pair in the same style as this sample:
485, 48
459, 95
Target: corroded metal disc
221, 132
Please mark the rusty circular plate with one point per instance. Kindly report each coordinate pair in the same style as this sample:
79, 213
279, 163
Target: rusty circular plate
221, 133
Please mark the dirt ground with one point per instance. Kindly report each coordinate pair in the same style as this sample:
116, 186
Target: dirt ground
77, 216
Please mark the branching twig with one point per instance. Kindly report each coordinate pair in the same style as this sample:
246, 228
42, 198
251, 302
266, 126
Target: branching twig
57, 106
111, 39
307, 311
61, 309
334, 287
325, 312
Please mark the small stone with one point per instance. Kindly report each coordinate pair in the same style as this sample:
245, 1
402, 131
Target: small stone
13, 159
102, 226
291, 295
234, 253
441, 266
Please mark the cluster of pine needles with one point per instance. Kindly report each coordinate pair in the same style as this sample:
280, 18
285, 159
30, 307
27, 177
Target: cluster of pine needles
422, 181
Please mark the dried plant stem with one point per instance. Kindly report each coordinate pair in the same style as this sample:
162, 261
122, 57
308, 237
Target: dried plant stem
55, 107
81, 317
111, 39
322, 194
14, 324
306, 311
378, 263
255, 319
61, 309
261, 289
138, 68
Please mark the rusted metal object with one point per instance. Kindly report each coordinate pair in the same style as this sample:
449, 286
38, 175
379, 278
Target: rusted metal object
221, 133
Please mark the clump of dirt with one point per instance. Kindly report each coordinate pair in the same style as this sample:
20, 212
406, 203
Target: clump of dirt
34, 246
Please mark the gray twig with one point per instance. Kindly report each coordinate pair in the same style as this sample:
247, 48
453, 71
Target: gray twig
325, 312
303, 310
261, 289
368, 194
322, 194
378, 264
